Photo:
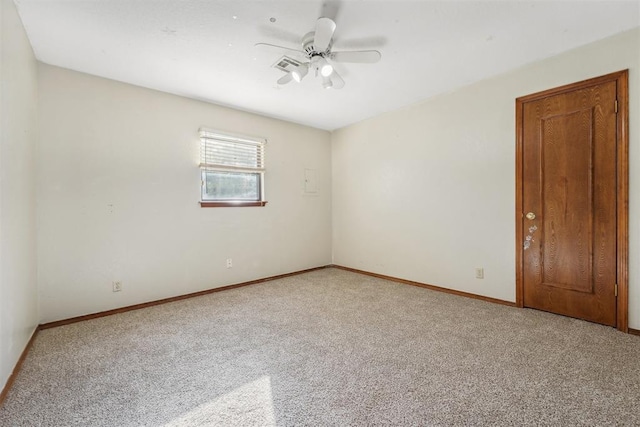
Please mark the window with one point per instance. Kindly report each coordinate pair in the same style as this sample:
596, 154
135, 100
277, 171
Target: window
232, 169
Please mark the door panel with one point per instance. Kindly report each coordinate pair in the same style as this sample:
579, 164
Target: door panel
567, 200
569, 184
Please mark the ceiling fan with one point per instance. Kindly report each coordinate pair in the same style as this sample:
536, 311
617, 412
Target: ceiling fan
318, 56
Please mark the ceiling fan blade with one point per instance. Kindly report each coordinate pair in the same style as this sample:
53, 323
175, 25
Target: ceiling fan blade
324, 31
330, 9
285, 79
337, 81
360, 56
269, 45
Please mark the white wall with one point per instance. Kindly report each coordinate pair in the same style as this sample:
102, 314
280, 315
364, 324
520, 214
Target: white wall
18, 126
427, 193
118, 192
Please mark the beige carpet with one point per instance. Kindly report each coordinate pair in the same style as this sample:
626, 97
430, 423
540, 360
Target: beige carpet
328, 348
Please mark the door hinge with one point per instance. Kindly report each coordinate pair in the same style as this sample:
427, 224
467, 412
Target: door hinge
616, 106
615, 289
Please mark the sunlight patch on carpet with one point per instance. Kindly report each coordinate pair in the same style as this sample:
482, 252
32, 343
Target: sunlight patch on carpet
249, 404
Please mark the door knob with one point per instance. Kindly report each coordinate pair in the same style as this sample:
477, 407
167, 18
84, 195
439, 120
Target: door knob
531, 215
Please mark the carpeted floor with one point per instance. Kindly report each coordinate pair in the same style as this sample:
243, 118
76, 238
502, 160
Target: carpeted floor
327, 348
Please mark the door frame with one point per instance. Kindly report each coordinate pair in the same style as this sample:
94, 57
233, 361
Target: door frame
622, 186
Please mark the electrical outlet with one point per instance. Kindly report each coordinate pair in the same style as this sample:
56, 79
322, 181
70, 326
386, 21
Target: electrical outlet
229, 263
480, 273
117, 286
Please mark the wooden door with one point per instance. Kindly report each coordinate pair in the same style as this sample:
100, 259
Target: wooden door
568, 219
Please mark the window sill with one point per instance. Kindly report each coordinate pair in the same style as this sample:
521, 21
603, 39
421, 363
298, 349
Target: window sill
230, 204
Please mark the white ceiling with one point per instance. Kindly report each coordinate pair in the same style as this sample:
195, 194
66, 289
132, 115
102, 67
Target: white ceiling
205, 49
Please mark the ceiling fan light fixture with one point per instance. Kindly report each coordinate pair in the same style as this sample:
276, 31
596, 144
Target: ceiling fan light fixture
317, 52
326, 69
299, 72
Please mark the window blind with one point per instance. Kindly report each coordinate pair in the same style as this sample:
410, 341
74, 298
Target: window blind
225, 152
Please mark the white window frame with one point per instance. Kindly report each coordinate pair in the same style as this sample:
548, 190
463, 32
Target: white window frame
226, 152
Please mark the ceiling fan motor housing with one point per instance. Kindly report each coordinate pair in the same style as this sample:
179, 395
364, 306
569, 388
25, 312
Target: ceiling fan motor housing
309, 47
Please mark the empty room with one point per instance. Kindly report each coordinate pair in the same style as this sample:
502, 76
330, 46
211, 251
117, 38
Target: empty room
319, 213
